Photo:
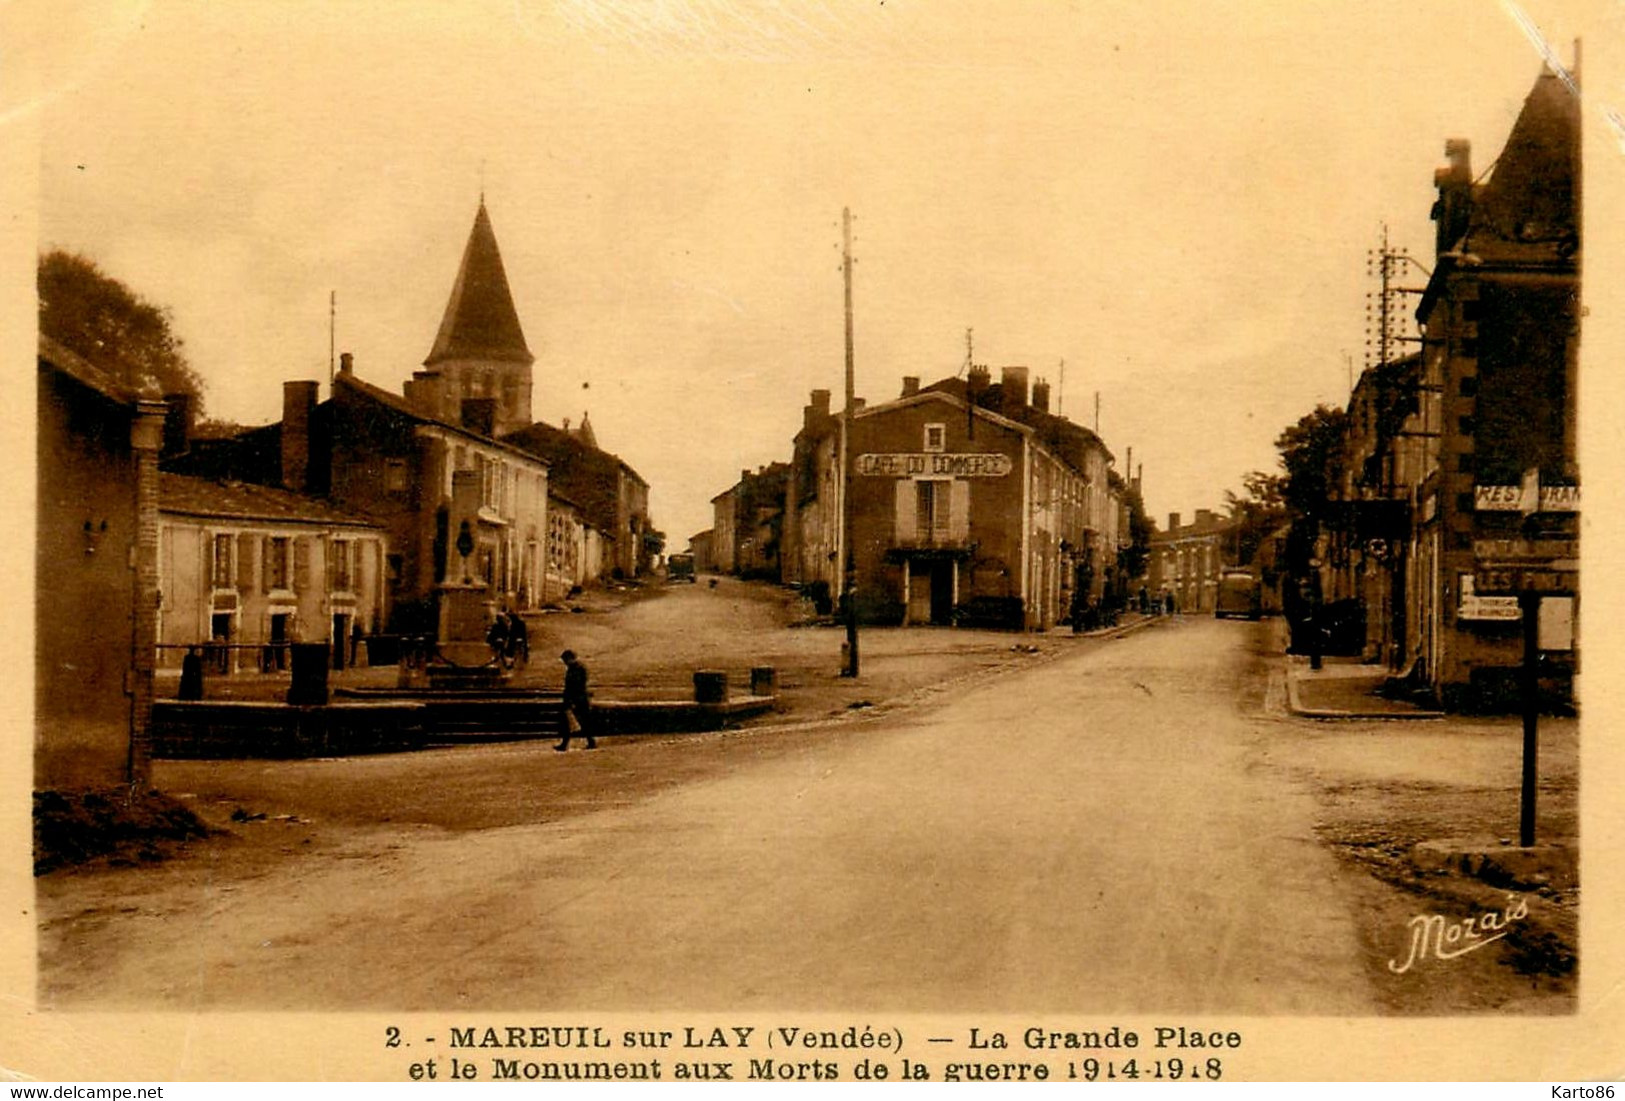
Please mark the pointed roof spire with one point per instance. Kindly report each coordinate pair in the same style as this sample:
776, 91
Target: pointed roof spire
480, 320
1532, 198
585, 433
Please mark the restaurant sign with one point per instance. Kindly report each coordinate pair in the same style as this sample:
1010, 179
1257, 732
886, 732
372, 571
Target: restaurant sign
1521, 499
934, 464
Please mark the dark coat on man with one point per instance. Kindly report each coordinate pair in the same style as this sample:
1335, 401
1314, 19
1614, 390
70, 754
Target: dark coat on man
576, 702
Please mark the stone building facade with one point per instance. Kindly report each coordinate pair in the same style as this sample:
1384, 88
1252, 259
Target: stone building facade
1187, 560
970, 504
1501, 319
95, 573
256, 568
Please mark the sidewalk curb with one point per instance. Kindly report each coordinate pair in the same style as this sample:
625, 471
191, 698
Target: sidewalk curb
1119, 631
1295, 706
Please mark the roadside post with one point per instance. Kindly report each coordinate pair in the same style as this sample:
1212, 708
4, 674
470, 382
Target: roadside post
1529, 568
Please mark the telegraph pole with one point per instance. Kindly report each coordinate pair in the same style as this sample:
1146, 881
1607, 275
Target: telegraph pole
850, 574
332, 325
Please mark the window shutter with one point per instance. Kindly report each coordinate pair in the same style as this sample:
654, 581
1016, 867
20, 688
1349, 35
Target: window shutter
301, 562
245, 562
959, 510
905, 511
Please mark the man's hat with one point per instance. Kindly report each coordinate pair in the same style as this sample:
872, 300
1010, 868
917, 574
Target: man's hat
568, 655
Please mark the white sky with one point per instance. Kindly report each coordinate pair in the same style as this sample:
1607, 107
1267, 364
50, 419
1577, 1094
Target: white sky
1176, 198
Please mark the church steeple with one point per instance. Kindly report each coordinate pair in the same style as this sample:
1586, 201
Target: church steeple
479, 354
480, 320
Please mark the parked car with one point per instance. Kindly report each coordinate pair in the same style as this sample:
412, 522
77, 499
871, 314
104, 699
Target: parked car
1239, 595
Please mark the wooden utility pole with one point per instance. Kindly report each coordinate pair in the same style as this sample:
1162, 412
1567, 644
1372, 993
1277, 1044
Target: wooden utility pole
332, 326
850, 568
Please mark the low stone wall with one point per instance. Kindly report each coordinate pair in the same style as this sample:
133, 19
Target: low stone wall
194, 729
379, 721
674, 716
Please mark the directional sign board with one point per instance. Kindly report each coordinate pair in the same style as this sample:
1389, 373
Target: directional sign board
1554, 578
1545, 566
1530, 551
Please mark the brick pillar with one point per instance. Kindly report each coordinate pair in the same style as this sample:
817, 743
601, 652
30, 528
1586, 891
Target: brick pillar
146, 438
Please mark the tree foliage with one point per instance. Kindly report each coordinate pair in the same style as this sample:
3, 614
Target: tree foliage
97, 317
1313, 457
1133, 557
1257, 512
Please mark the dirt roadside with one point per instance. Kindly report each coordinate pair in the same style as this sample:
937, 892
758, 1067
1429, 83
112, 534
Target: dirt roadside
1383, 787
260, 813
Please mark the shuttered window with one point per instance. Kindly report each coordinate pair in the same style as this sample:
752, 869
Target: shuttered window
303, 548
905, 510
245, 562
959, 510
932, 507
276, 562
220, 576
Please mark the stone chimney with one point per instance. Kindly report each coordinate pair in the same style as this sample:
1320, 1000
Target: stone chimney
1173, 522
1455, 202
1013, 390
420, 394
177, 425
298, 410
346, 363
911, 385
1206, 516
977, 382
1041, 396
816, 409
480, 415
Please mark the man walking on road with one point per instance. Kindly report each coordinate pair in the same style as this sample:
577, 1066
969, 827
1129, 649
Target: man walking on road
577, 709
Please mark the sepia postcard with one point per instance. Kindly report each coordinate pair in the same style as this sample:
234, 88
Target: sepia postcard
848, 540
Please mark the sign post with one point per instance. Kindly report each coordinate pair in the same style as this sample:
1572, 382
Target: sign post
1529, 604
1528, 568
1551, 577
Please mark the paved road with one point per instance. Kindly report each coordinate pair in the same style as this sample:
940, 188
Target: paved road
1096, 834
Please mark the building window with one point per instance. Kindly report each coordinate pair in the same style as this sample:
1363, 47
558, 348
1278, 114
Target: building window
395, 475
931, 511
396, 565
276, 562
1469, 385
222, 576
936, 437
338, 556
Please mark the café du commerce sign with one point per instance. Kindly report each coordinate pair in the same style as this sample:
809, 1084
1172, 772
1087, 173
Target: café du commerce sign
928, 463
